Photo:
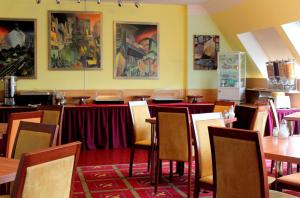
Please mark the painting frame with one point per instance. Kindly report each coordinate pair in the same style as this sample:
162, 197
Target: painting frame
99, 49
157, 60
32, 32
205, 51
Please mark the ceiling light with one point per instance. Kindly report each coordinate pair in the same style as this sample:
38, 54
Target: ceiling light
57, 1
78, 1
137, 3
38, 1
98, 1
119, 3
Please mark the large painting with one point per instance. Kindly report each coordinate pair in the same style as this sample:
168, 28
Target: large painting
75, 40
17, 48
206, 49
136, 50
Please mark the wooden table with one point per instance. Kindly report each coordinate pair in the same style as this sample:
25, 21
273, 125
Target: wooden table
8, 169
282, 150
291, 118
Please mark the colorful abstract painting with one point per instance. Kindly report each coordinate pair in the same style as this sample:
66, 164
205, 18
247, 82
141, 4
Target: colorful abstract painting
206, 49
75, 40
136, 50
17, 48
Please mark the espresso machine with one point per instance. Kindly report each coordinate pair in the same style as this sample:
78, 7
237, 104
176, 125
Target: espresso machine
9, 90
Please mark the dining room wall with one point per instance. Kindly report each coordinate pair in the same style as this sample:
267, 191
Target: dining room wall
172, 40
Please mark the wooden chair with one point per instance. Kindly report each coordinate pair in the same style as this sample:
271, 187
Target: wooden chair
203, 163
47, 173
291, 182
13, 125
33, 136
274, 113
221, 106
239, 168
174, 139
53, 115
260, 119
141, 130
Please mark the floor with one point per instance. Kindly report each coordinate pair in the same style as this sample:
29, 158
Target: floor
105, 157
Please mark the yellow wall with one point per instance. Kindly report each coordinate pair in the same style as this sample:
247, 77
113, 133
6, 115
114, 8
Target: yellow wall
199, 22
253, 15
172, 23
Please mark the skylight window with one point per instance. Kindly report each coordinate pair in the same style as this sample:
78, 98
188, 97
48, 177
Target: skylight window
292, 30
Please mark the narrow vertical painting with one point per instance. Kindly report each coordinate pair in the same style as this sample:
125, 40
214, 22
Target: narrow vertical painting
17, 48
136, 51
75, 40
206, 49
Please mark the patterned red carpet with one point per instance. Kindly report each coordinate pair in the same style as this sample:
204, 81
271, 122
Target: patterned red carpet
112, 181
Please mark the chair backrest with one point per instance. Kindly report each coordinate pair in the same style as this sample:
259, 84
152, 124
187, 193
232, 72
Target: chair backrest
260, 119
47, 173
238, 163
220, 106
202, 144
173, 133
34, 136
139, 112
53, 114
274, 112
13, 125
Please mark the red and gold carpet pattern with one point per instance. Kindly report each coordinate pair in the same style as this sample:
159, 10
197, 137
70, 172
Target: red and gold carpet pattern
112, 181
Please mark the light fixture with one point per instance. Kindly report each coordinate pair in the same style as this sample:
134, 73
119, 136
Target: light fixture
120, 3
137, 3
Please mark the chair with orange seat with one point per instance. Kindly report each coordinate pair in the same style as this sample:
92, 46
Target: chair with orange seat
53, 115
239, 168
47, 173
174, 139
13, 125
141, 130
203, 163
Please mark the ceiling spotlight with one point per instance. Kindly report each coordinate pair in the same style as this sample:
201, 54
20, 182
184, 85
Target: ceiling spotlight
137, 3
57, 1
38, 1
120, 3
98, 1
78, 1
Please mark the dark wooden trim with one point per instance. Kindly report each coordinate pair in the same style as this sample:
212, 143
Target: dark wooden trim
37, 127
225, 103
240, 134
20, 116
43, 156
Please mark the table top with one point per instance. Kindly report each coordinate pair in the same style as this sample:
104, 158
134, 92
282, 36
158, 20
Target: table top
282, 149
226, 120
293, 117
8, 169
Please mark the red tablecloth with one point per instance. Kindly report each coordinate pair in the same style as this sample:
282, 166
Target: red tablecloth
109, 126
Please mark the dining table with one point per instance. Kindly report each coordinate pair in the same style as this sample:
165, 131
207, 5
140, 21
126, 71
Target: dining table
292, 118
282, 150
8, 169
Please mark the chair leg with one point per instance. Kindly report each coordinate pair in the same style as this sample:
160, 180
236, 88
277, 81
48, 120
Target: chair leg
157, 173
149, 156
272, 166
131, 161
189, 179
171, 170
196, 188
298, 168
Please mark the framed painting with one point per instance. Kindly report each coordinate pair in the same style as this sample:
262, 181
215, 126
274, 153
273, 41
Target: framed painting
75, 40
18, 48
206, 49
136, 50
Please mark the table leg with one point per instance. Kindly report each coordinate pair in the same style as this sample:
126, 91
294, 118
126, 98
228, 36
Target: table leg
180, 168
291, 127
278, 169
153, 155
